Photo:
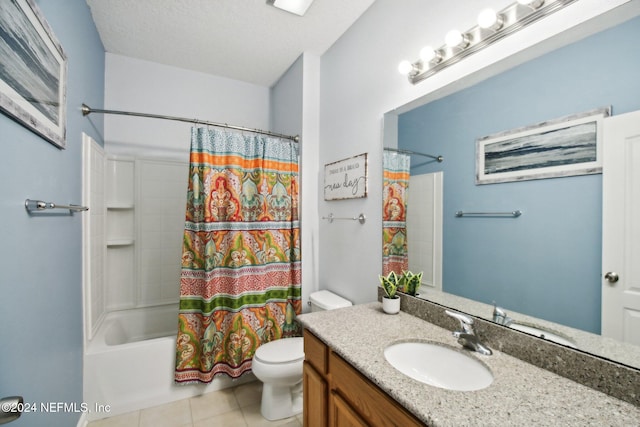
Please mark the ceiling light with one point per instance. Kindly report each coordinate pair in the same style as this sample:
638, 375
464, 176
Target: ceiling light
298, 7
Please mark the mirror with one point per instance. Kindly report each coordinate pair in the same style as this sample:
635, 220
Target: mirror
543, 267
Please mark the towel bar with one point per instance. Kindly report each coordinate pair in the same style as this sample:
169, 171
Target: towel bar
360, 218
39, 205
514, 214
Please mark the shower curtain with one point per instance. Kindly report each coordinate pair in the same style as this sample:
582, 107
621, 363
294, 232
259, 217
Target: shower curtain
394, 226
241, 269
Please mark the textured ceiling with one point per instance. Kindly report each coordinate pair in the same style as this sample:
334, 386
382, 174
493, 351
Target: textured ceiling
245, 40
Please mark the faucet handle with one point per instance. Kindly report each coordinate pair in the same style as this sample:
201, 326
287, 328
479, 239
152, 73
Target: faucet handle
466, 322
498, 311
500, 316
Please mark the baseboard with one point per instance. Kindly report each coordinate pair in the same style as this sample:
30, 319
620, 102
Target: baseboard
83, 421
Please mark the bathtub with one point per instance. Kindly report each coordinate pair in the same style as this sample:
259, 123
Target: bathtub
129, 363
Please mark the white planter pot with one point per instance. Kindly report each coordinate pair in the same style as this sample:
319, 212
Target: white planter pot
391, 305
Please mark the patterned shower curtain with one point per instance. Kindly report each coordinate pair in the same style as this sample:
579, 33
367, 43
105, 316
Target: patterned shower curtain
241, 269
394, 221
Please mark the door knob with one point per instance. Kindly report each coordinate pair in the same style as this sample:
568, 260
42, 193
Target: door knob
612, 277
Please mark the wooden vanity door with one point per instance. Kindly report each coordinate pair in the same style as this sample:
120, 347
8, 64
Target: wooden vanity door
343, 415
337, 395
315, 397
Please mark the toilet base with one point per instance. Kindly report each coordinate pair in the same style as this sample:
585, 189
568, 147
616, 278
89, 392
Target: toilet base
279, 402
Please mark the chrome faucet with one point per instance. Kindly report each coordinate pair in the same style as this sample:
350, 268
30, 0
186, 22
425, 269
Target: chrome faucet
500, 316
467, 334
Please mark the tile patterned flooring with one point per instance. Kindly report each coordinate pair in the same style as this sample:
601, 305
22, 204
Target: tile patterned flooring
232, 407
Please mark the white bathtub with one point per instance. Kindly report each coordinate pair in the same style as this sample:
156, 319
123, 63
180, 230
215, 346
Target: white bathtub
129, 364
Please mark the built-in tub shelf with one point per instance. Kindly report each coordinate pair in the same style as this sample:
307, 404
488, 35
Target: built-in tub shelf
120, 222
119, 242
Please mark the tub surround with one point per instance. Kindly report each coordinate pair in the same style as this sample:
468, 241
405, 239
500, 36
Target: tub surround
520, 393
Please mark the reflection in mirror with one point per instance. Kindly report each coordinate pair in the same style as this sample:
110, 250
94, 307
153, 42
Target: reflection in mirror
426, 214
543, 268
394, 207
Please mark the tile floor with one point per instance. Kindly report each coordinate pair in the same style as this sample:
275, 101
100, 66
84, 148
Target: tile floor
232, 407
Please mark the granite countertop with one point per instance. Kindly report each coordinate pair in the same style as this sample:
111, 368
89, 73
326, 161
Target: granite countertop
521, 394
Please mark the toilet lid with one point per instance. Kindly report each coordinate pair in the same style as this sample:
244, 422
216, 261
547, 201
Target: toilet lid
284, 350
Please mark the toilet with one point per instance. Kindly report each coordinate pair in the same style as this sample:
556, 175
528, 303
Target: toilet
278, 364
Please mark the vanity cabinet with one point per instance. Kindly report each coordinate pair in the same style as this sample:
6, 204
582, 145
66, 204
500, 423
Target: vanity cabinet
336, 394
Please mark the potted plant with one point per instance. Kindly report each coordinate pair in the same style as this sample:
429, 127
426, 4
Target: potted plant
411, 282
390, 301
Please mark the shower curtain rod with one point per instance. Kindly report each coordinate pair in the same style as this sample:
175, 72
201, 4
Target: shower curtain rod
397, 150
86, 110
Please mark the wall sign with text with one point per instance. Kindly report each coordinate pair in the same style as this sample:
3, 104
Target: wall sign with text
346, 179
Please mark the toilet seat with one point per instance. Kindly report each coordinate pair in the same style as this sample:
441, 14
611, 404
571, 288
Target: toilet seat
286, 350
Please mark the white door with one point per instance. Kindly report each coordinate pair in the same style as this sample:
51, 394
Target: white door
621, 228
424, 225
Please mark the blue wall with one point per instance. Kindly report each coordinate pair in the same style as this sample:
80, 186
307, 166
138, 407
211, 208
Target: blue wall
40, 256
547, 262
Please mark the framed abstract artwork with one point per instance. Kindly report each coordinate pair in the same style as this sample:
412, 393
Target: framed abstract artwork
33, 72
567, 146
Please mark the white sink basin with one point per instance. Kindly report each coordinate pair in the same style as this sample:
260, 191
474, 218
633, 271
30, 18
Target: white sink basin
541, 333
438, 366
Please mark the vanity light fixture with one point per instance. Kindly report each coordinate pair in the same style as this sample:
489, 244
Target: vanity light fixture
297, 7
492, 26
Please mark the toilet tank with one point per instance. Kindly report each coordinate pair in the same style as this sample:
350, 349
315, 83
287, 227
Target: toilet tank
327, 300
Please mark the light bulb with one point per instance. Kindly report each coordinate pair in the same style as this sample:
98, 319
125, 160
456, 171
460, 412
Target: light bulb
405, 67
489, 19
455, 38
428, 54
